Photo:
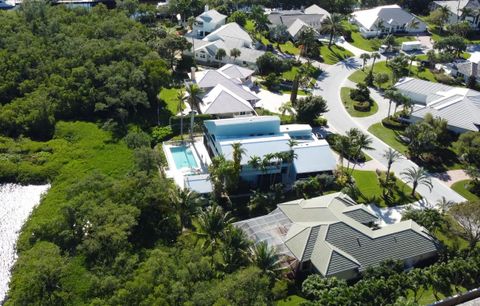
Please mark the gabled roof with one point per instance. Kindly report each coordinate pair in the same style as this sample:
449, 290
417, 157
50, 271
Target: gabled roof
466, 68
229, 31
211, 16
459, 106
212, 78
389, 14
457, 5
315, 9
308, 153
220, 100
296, 27
324, 232
236, 72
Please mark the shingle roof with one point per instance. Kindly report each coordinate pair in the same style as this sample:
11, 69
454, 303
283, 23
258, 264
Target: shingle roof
220, 100
334, 239
390, 14
296, 27
211, 16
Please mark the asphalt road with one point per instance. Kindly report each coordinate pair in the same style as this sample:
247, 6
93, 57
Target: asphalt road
328, 86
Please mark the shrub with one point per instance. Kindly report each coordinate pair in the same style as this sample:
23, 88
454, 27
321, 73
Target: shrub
361, 93
361, 106
137, 139
320, 121
394, 124
369, 79
161, 133
309, 108
272, 81
175, 122
444, 79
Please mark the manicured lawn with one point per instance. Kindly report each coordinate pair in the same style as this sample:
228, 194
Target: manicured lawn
169, 96
289, 48
460, 187
388, 136
334, 54
348, 103
381, 67
290, 74
368, 184
292, 300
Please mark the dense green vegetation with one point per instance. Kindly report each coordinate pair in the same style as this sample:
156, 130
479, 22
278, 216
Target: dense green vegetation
349, 104
64, 64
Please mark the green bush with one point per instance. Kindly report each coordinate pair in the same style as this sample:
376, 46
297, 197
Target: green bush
161, 133
361, 106
361, 93
320, 121
198, 120
394, 124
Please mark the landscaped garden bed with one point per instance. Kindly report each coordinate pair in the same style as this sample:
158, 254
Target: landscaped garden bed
357, 108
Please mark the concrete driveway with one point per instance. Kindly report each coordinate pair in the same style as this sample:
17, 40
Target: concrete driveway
328, 85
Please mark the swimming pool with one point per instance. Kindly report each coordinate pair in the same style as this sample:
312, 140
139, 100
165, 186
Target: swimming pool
183, 157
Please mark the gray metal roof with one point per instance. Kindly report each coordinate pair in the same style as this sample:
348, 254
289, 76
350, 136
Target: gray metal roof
211, 16
212, 78
315, 9
220, 100
324, 232
458, 5
229, 31
234, 71
389, 14
420, 87
314, 157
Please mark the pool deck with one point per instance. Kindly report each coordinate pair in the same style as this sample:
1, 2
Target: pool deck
201, 156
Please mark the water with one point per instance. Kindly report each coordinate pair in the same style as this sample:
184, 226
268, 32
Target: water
16, 204
183, 157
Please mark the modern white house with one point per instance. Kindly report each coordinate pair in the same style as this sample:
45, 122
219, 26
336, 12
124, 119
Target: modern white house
227, 37
387, 19
207, 22
263, 138
458, 9
298, 20
459, 106
333, 235
226, 91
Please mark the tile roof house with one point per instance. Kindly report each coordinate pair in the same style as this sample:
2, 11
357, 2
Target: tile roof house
459, 106
227, 37
207, 22
456, 9
261, 136
225, 91
297, 20
387, 19
329, 235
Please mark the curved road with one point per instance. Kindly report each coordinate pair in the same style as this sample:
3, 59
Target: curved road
329, 84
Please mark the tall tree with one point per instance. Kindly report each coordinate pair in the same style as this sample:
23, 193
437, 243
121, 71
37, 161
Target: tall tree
187, 204
467, 214
391, 156
364, 57
265, 258
417, 176
235, 53
193, 91
333, 26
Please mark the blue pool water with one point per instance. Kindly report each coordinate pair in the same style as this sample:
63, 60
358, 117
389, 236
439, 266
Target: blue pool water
183, 157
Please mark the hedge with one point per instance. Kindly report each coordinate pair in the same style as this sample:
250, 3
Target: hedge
393, 124
362, 106
175, 122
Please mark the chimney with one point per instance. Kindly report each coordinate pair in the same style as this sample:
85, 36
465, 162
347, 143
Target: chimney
206, 8
192, 74
474, 69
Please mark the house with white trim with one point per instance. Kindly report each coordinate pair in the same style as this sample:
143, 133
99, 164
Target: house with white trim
207, 22
263, 137
226, 91
457, 9
227, 37
387, 19
333, 235
459, 106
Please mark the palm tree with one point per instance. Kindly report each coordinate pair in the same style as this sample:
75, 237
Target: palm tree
306, 39
332, 25
235, 248
255, 162
193, 91
343, 146
417, 176
380, 26
221, 53
375, 56
444, 15
181, 99
414, 24
286, 107
467, 11
444, 204
411, 58
391, 95
365, 57
391, 156
187, 203
265, 258
361, 142
257, 13
212, 223
238, 152
235, 53
389, 41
